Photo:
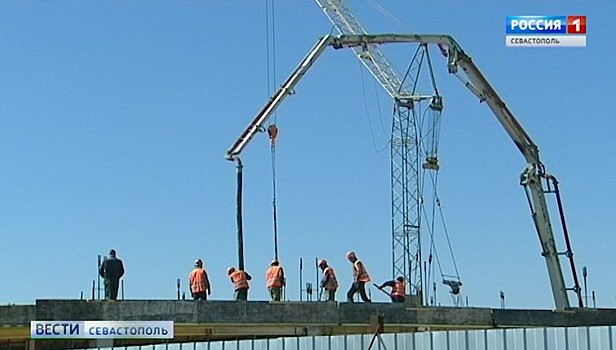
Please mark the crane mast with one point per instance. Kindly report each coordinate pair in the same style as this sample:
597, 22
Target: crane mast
405, 138
458, 63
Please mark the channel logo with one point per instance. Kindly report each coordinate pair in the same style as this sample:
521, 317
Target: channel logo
101, 329
546, 31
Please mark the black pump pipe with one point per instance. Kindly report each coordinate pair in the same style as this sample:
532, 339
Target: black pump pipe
240, 230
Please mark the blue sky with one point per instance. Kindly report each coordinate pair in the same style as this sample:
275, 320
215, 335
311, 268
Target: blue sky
115, 117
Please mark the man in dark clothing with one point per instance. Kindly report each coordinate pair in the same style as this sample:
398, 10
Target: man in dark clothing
111, 270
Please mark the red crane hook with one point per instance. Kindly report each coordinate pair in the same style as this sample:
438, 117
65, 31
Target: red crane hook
272, 131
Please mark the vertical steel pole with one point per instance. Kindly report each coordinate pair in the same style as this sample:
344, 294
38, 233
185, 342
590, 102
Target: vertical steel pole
317, 288
99, 278
240, 230
300, 278
585, 274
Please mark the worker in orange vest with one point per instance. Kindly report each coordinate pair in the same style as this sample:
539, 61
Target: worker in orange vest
360, 277
240, 280
198, 282
398, 293
329, 281
275, 280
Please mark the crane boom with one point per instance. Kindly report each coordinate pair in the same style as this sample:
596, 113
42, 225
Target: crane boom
370, 55
285, 89
532, 175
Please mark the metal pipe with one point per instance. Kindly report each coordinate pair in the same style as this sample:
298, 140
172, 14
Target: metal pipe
425, 297
240, 230
585, 274
594, 301
502, 297
99, 279
316, 279
274, 198
563, 223
301, 267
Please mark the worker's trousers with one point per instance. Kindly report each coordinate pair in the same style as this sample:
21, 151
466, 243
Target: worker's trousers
357, 287
241, 294
397, 298
275, 293
199, 296
111, 289
331, 294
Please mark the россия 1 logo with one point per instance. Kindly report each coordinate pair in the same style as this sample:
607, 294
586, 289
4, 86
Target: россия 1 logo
546, 31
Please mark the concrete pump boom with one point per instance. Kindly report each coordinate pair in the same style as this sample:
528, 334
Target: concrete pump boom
474, 80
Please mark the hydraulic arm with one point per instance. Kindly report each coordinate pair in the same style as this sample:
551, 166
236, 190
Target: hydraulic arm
458, 62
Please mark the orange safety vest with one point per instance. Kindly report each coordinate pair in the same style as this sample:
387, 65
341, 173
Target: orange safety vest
198, 280
332, 282
274, 276
359, 272
398, 289
240, 281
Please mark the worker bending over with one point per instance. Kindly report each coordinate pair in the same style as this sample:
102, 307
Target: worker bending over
329, 281
199, 282
360, 277
275, 280
398, 293
240, 280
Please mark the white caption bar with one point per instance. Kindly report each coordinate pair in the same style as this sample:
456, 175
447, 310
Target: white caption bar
545, 40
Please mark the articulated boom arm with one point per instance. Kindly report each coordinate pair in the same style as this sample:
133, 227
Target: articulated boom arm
532, 177
474, 80
285, 89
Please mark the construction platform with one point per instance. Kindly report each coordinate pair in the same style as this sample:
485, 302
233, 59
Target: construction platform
196, 321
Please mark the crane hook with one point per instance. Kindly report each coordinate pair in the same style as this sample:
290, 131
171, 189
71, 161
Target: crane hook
272, 131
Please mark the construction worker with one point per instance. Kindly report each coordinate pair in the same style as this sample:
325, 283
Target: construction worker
240, 280
328, 281
398, 293
275, 280
360, 277
198, 281
111, 270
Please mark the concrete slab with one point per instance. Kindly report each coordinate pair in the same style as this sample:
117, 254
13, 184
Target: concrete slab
217, 320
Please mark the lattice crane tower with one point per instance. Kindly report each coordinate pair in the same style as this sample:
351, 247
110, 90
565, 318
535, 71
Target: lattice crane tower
406, 158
